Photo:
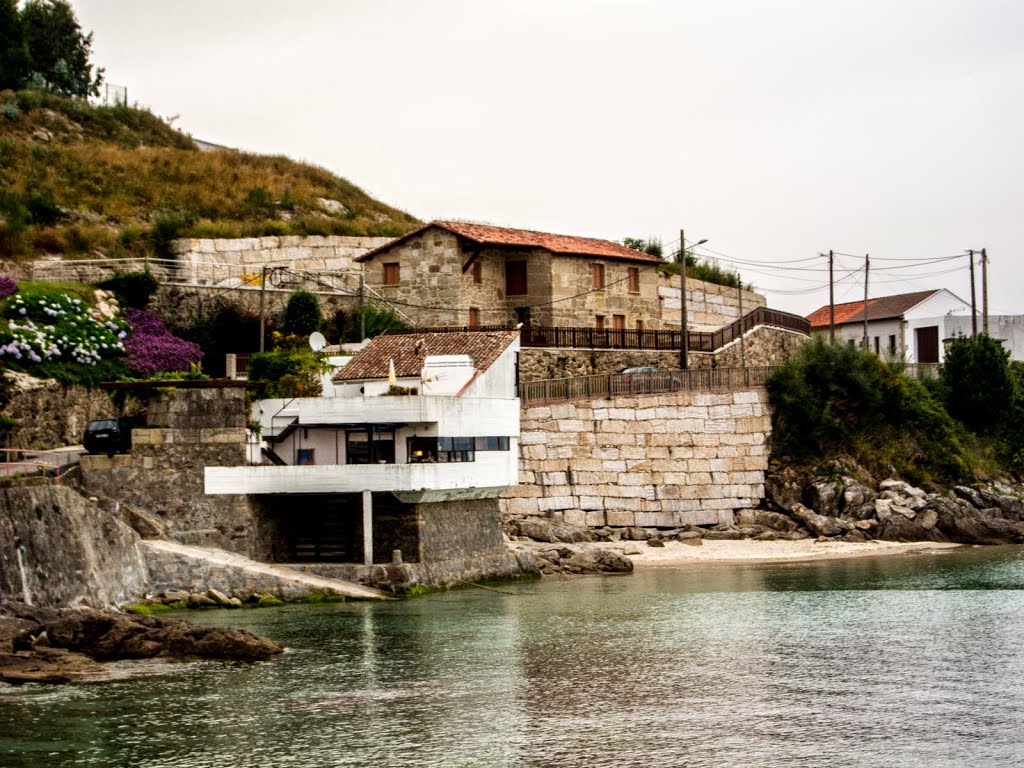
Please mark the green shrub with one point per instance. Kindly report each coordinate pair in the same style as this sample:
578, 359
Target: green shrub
168, 226
133, 289
301, 315
980, 390
291, 372
376, 320
836, 400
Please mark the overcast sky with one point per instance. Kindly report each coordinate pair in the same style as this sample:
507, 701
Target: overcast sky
776, 129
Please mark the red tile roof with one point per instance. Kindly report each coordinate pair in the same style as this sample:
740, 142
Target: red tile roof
882, 308
410, 350
569, 245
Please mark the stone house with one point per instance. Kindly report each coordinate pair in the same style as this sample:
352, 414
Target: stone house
457, 273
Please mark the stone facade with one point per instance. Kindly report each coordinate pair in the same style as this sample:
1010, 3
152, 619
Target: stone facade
434, 290
687, 458
189, 430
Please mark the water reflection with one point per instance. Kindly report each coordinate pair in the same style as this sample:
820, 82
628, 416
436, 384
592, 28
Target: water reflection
868, 662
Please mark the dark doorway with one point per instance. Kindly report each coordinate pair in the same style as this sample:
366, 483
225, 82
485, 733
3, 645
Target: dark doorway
927, 344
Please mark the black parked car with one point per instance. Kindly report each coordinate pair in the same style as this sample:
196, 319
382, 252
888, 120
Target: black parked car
108, 436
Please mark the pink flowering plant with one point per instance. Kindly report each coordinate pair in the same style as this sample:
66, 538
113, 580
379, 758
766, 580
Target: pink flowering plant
152, 349
57, 327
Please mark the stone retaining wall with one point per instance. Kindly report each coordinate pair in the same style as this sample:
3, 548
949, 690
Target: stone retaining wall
687, 458
197, 258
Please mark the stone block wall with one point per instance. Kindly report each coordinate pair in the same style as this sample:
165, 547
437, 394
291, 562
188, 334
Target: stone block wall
198, 409
199, 259
687, 458
708, 306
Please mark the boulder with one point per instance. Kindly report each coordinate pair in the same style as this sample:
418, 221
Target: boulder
766, 519
655, 543
823, 496
819, 525
599, 560
543, 529
970, 495
855, 495
1011, 507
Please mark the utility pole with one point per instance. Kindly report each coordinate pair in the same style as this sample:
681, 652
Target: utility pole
683, 340
984, 291
362, 307
867, 266
831, 301
263, 292
974, 305
743, 347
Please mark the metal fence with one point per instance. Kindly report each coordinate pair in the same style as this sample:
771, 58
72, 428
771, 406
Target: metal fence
611, 385
25, 465
567, 337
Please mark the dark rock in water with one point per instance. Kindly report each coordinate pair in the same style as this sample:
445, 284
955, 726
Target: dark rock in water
57, 641
598, 560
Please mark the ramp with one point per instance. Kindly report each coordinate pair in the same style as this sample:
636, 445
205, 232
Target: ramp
183, 567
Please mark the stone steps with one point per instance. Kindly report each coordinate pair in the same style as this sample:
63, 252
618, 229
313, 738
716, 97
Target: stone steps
174, 566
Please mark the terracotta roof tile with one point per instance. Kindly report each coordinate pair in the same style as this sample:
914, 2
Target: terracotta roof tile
409, 350
569, 245
881, 308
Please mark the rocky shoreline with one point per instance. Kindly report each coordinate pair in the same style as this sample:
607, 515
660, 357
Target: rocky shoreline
62, 645
847, 506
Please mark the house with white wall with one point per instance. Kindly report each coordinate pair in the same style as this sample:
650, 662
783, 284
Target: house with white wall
415, 422
912, 327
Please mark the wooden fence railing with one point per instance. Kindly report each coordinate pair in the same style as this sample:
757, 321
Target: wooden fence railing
632, 338
610, 385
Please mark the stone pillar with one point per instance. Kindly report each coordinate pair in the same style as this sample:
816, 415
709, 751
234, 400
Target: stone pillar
231, 365
367, 528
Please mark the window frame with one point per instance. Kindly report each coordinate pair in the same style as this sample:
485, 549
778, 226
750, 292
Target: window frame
392, 273
633, 279
597, 281
515, 271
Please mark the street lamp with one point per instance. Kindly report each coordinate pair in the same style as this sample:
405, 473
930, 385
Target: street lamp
685, 341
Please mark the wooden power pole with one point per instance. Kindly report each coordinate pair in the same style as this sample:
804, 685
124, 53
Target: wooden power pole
831, 301
984, 291
974, 303
867, 266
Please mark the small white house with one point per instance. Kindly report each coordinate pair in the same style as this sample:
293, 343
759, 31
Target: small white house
914, 327
415, 422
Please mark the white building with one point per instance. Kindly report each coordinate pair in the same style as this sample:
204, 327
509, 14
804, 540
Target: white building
915, 327
421, 418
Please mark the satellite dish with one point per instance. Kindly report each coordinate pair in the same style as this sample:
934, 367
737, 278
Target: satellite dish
317, 341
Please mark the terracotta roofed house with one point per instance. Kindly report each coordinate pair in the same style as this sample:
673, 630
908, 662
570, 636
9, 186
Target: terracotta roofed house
458, 273
905, 326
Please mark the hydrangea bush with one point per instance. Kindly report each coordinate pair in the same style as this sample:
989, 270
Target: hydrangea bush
58, 328
151, 348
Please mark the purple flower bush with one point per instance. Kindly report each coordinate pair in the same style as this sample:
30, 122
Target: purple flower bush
8, 286
151, 348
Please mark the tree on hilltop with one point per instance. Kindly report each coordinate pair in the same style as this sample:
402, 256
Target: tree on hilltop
45, 46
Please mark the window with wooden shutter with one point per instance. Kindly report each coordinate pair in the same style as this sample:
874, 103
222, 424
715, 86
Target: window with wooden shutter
474, 317
515, 278
478, 275
597, 275
633, 279
392, 273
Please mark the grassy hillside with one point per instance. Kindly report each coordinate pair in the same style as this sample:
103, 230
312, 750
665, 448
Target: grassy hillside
80, 179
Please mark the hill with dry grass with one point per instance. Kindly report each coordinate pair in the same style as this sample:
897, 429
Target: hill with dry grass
83, 180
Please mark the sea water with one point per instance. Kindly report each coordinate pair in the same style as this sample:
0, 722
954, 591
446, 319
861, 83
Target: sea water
898, 661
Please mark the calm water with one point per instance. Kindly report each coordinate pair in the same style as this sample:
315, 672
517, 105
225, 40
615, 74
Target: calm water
891, 662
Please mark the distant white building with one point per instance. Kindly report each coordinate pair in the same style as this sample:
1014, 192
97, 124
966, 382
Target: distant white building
915, 327
421, 418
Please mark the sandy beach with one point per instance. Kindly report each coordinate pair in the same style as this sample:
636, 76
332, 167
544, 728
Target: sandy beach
675, 553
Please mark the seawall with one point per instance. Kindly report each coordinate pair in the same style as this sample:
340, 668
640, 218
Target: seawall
685, 458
